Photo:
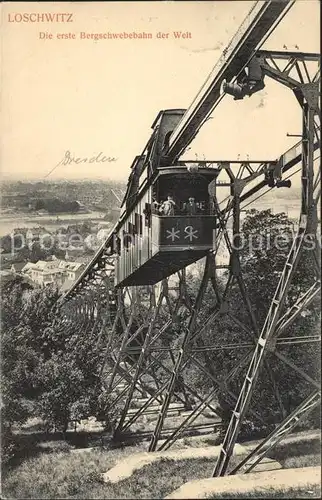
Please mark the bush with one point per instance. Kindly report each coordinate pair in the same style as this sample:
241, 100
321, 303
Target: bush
48, 370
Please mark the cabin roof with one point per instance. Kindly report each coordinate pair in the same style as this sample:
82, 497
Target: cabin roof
179, 169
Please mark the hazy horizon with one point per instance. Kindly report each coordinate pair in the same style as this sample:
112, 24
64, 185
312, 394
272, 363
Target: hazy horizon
89, 97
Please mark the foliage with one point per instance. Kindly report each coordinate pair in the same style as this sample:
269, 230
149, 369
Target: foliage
23, 249
266, 239
262, 268
55, 205
53, 370
47, 370
49, 246
19, 358
10, 242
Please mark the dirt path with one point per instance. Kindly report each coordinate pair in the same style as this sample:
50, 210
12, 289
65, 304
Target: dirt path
126, 467
249, 483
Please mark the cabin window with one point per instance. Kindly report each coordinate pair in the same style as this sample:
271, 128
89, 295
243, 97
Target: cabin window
117, 245
188, 192
151, 147
135, 226
143, 176
167, 140
138, 224
131, 229
147, 214
126, 239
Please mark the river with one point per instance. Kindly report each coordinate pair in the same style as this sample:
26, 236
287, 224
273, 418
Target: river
50, 222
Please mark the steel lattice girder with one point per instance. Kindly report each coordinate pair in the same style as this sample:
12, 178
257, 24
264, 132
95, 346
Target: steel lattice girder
141, 411
118, 346
307, 223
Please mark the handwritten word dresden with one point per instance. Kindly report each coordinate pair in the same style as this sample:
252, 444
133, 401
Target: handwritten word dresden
68, 159
36, 17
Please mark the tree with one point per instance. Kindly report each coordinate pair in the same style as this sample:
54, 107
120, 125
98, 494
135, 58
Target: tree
46, 370
267, 239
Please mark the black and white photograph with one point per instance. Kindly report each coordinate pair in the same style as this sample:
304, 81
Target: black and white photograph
160, 242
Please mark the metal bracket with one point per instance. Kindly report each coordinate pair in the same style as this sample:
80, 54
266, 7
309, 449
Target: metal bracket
310, 92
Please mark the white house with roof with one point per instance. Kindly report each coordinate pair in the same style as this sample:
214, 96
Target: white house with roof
71, 269
27, 269
53, 272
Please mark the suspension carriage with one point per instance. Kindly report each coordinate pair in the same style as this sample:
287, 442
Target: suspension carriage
150, 244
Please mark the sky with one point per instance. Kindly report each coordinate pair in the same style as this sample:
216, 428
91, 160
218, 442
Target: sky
86, 96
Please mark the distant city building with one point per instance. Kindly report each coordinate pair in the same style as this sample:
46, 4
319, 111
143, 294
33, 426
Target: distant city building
81, 207
17, 267
36, 234
72, 253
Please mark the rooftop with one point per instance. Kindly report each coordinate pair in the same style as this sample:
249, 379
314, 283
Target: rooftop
53, 266
18, 266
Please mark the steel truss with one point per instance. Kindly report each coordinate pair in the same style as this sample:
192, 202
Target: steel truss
154, 338
306, 90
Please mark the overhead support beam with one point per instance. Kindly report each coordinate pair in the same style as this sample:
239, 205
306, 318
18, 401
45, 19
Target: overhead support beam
288, 160
282, 54
249, 37
257, 25
307, 226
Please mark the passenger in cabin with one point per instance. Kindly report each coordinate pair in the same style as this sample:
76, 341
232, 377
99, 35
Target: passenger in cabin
190, 208
168, 206
155, 206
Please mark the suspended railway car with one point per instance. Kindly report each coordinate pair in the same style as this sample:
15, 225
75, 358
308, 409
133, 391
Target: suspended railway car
167, 221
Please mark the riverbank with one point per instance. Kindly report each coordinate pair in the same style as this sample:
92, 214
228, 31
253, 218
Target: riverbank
50, 222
